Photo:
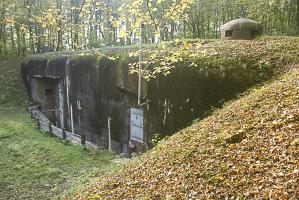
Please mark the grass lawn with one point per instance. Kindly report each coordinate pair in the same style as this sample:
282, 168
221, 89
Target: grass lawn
33, 164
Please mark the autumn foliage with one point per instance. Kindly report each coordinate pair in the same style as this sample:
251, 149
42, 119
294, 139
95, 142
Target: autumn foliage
247, 150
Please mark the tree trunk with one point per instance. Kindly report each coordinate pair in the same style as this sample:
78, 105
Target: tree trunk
297, 17
59, 32
13, 44
24, 46
4, 42
19, 46
32, 42
1, 53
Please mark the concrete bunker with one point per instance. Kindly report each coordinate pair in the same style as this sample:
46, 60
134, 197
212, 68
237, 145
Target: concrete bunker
95, 96
241, 29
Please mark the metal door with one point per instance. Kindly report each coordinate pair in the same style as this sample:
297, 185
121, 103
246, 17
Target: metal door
136, 125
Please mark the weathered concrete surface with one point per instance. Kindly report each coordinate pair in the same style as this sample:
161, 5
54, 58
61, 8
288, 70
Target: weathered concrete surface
88, 95
91, 88
241, 29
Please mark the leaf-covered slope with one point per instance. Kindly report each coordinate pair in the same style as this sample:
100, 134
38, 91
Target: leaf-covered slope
250, 60
247, 150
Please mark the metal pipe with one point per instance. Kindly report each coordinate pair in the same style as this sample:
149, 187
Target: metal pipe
139, 68
109, 134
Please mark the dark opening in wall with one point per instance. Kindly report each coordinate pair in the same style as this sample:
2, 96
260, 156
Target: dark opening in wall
229, 33
49, 92
45, 92
115, 125
253, 33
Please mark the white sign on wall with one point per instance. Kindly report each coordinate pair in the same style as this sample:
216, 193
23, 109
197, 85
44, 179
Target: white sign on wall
136, 125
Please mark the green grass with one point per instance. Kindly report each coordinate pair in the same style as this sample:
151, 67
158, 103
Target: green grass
34, 164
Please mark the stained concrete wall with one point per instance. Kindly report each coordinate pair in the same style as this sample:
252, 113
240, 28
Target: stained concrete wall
96, 88
90, 95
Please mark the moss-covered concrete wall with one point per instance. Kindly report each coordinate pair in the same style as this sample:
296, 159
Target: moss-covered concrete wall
97, 86
91, 94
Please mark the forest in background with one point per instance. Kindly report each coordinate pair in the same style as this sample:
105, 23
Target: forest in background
26, 26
